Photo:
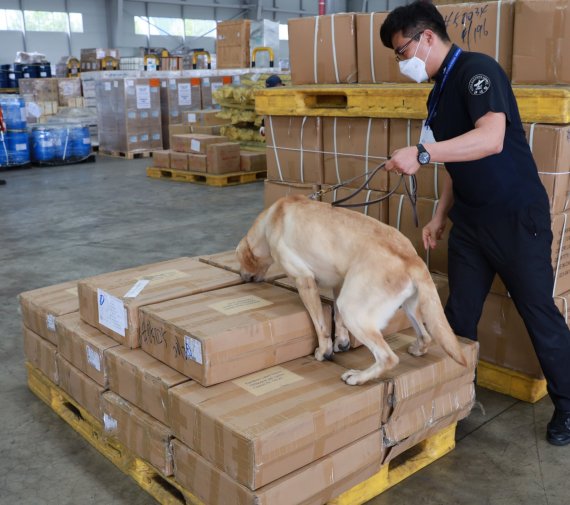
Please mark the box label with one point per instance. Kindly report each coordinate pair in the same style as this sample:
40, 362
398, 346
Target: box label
112, 312
215, 87
184, 93
193, 349
195, 145
191, 118
166, 276
143, 96
239, 305
50, 322
93, 358
137, 288
109, 422
266, 381
107, 86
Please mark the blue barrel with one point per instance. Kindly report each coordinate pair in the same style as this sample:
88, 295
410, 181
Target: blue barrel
4, 73
31, 71
58, 144
44, 70
14, 110
79, 143
14, 149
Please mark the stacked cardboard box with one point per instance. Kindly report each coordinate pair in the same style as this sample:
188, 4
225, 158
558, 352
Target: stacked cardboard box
91, 59
232, 44
208, 86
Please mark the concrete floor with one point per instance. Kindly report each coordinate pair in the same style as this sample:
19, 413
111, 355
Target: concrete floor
65, 223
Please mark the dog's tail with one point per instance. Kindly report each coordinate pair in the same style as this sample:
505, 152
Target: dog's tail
434, 318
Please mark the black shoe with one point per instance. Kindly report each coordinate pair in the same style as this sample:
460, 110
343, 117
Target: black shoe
558, 429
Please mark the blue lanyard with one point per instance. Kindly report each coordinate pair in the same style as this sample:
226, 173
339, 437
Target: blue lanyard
438, 89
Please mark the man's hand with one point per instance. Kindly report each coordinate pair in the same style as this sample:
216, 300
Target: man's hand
432, 232
404, 161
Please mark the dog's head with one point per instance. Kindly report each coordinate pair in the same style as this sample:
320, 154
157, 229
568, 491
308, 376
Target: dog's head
252, 267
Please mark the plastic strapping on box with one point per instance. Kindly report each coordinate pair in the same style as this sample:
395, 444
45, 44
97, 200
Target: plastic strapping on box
531, 137
436, 180
367, 146
335, 152
315, 75
302, 153
275, 148
400, 205
333, 43
372, 48
559, 258
368, 194
435, 204
498, 41
409, 133
565, 303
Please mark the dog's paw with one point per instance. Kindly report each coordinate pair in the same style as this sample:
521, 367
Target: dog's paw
416, 350
341, 346
321, 356
354, 377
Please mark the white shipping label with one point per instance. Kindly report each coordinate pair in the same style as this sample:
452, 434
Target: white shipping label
195, 145
46, 143
66, 88
184, 94
193, 349
238, 305
191, 118
109, 422
93, 358
115, 84
163, 84
136, 289
107, 86
129, 82
50, 322
143, 96
21, 147
206, 81
23, 113
216, 86
112, 313
267, 381
87, 140
172, 83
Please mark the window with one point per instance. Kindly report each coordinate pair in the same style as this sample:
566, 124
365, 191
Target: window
159, 26
11, 20
200, 28
283, 32
141, 25
43, 21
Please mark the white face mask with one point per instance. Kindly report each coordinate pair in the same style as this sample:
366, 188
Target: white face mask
415, 68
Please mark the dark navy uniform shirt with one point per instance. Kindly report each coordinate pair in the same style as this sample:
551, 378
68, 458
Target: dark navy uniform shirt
499, 184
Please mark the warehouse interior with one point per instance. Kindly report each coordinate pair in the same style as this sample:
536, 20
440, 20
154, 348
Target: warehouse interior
98, 413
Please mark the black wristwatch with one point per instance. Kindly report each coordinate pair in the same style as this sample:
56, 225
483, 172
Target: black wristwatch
423, 155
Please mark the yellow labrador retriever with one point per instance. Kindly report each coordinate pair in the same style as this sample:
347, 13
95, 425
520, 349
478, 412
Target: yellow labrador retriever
371, 267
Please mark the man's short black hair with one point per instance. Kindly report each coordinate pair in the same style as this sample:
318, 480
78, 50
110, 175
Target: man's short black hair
410, 19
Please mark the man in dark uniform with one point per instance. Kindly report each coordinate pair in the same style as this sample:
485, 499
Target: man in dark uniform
494, 197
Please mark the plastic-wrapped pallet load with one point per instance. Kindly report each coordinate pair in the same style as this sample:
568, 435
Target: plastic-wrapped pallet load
14, 142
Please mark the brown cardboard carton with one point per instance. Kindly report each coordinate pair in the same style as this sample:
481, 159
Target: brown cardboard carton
84, 347
355, 147
178, 161
294, 148
401, 217
316, 483
39, 90
210, 85
178, 96
140, 433
404, 133
111, 302
541, 42
223, 158
142, 380
207, 130
68, 88
81, 388
483, 27
376, 63
206, 118
41, 353
268, 424
322, 49
177, 129
197, 162
98, 53
41, 307
228, 260
232, 44
194, 142
161, 159
378, 211
252, 161
550, 146
218, 336
274, 190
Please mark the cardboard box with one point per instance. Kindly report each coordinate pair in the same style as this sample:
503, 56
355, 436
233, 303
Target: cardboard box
206, 118
430, 181
39, 89
322, 49
550, 146
355, 147
68, 88
253, 161
140, 433
316, 483
541, 41
177, 129
194, 142
85, 391
98, 53
220, 335
378, 211
178, 161
211, 84
223, 158
161, 159
178, 97
207, 130
41, 307
401, 217
274, 190
232, 44
197, 162
294, 149
228, 261
42, 354
404, 133
142, 380
84, 347
376, 63
268, 424
111, 302
483, 27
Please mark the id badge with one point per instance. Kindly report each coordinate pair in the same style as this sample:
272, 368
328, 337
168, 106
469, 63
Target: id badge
426, 136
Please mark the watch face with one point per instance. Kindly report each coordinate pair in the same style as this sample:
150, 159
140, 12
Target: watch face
423, 158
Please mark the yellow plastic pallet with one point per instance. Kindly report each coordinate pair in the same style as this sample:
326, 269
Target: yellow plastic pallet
511, 383
130, 155
537, 104
223, 180
168, 492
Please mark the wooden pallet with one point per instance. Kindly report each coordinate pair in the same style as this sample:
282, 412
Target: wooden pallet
537, 104
128, 155
511, 383
222, 180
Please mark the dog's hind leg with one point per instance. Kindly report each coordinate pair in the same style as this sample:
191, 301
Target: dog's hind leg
419, 347
341, 338
309, 293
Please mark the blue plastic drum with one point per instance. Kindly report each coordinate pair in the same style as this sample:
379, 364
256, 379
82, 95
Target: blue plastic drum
58, 144
14, 110
79, 141
14, 149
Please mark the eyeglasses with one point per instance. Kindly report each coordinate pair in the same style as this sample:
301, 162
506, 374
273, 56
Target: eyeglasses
401, 50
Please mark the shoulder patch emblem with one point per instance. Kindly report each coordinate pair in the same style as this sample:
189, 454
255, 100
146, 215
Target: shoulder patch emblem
479, 84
